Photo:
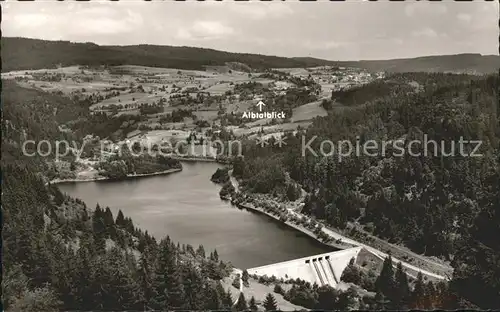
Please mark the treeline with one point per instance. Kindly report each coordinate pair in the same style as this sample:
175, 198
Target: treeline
436, 205
177, 115
396, 84
395, 292
23, 53
120, 166
150, 109
36, 115
465, 62
104, 126
29, 114
292, 98
368, 92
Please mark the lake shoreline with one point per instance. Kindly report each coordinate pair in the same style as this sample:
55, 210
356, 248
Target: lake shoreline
349, 243
200, 159
129, 176
293, 226
186, 207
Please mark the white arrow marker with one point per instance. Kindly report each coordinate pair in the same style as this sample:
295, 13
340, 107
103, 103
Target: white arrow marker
260, 104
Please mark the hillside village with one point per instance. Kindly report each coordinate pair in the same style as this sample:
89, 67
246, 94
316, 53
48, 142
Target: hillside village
159, 107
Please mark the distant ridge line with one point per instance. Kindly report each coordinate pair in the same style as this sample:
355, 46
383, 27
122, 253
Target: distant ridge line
25, 54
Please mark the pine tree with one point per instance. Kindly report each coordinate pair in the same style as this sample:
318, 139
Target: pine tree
327, 298
380, 301
241, 305
244, 278
228, 300
214, 301
159, 301
175, 291
351, 273
120, 288
109, 223
120, 219
99, 229
402, 289
108, 218
385, 281
270, 303
82, 279
201, 251
146, 275
430, 293
278, 289
252, 304
418, 294
40, 255
193, 288
129, 225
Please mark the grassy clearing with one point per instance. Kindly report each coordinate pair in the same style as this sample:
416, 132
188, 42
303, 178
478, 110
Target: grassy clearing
219, 89
240, 106
259, 291
208, 115
68, 86
129, 98
308, 112
294, 71
252, 132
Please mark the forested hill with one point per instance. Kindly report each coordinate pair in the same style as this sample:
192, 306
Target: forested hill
459, 63
59, 255
24, 53
441, 204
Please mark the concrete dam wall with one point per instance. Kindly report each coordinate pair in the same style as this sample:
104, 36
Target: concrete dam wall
323, 269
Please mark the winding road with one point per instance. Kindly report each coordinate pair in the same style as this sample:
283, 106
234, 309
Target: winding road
376, 252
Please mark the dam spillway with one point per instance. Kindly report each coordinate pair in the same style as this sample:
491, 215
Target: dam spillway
322, 269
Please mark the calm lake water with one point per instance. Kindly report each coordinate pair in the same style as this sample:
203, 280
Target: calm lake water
186, 206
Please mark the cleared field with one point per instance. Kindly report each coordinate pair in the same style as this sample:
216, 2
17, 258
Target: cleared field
263, 81
275, 135
258, 122
172, 74
294, 71
208, 115
260, 291
252, 132
133, 112
240, 106
68, 86
137, 70
158, 136
130, 98
219, 89
69, 70
308, 112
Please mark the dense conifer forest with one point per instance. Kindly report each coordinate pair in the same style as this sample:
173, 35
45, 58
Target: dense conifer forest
57, 254
445, 205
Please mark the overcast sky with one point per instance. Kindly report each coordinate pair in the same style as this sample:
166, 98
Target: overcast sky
332, 30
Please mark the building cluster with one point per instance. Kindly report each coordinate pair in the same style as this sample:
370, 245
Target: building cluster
345, 77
